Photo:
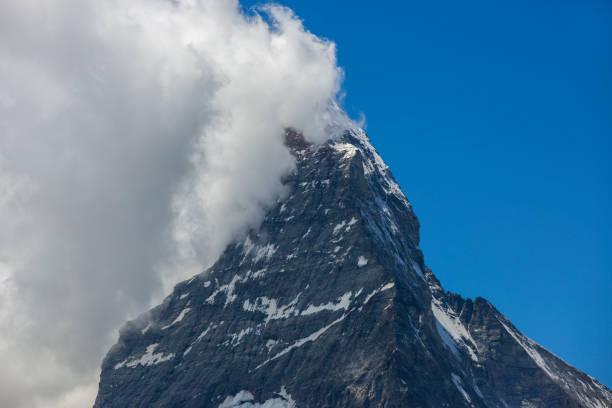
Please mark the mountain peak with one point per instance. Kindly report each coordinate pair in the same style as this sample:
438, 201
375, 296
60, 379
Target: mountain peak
329, 303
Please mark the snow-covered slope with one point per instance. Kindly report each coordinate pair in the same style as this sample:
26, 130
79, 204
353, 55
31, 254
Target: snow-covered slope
329, 304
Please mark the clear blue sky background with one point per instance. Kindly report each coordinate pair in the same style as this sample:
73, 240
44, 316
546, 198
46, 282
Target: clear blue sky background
496, 119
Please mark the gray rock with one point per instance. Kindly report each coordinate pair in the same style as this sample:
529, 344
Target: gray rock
329, 304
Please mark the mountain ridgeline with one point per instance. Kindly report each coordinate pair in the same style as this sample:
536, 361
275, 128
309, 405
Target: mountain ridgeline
329, 304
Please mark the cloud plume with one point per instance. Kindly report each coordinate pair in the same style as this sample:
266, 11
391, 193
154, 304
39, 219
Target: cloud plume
136, 139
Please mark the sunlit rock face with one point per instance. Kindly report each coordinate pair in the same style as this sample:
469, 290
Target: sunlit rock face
329, 304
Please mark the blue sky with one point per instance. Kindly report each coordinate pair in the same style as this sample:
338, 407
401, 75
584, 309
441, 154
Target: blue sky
496, 119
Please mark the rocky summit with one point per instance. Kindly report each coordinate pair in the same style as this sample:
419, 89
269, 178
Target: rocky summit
329, 304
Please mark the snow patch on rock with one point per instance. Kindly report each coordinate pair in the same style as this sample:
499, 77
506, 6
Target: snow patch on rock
210, 327
529, 346
314, 336
271, 309
362, 261
459, 384
236, 338
178, 318
447, 322
257, 252
343, 303
378, 290
338, 227
149, 358
228, 289
244, 399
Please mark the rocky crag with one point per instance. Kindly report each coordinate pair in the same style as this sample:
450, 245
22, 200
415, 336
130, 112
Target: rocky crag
329, 304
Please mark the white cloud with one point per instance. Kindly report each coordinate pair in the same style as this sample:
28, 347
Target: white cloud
136, 139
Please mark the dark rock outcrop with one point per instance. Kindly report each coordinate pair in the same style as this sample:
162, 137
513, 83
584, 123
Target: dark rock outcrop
329, 304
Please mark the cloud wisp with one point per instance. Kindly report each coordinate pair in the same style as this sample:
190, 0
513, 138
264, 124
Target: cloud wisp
136, 139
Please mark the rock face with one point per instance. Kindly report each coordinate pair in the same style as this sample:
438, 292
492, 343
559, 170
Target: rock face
329, 304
